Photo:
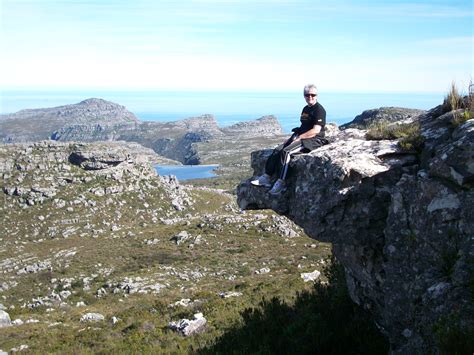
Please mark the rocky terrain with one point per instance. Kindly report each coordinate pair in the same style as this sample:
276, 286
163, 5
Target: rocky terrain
401, 223
388, 114
99, 120
99, 254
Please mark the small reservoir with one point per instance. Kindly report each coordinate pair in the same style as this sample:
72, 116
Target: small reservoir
187, 172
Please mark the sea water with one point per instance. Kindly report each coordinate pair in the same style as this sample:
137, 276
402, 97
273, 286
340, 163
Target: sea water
228, 107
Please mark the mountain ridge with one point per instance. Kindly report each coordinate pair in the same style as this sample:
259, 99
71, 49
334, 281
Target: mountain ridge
96, 119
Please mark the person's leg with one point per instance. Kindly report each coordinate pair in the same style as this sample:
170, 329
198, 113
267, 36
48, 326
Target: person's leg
279, 186
273, 165
293, 148
273, 160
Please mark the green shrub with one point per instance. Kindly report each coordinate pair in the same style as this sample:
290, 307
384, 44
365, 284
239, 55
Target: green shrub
321, 321
453, 100
380, 130
459, 119
453, 337
409, 134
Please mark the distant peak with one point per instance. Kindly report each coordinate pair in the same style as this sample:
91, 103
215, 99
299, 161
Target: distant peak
94, 101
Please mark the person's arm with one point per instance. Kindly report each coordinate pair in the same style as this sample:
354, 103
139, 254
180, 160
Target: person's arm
311, 133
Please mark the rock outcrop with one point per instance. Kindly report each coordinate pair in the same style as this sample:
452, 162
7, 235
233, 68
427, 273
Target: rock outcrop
400, 222
263, 127
390, 114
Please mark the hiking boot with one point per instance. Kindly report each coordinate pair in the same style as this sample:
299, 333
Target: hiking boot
278, 187
263, 180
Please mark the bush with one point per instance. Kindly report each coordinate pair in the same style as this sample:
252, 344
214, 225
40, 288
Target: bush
453, 337
409, 134
453, 100
321, 321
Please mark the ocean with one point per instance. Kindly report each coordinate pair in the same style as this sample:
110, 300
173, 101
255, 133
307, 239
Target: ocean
228, 107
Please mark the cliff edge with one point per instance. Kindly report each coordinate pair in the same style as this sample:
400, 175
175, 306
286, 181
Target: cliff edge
401, 222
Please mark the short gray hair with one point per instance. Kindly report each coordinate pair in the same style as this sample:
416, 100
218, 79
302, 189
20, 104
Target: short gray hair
309, 87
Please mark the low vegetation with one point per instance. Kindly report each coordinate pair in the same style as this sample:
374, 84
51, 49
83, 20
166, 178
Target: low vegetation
461, 105
75, 241
453, 337
453, 100
408, 134
308, 324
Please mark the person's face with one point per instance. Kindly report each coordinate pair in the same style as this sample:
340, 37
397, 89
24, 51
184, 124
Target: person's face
311, 96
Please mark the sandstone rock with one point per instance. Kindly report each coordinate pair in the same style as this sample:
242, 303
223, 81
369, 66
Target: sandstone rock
263, 270
189, 327
92, 317
310, 276
181, 237
230, 294
5, 320
20, 348
401, 224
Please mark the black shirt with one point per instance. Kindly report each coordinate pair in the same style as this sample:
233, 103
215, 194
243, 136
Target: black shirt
311, 116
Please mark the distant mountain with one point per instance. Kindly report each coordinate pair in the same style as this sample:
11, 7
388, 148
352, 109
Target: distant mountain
100, 120
96, 119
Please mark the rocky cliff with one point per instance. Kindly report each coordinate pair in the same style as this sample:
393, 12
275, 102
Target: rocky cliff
401, 223
262, 127
389, 114
99, 120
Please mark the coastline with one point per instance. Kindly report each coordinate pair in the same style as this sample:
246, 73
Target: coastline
228, 107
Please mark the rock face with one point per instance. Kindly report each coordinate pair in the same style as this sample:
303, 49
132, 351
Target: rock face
390, 114
99, 120
264, 126
401, 223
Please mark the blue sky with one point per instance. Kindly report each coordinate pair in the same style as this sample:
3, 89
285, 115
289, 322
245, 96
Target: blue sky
366, 46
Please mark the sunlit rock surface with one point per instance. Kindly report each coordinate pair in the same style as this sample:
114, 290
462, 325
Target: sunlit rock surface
401, 223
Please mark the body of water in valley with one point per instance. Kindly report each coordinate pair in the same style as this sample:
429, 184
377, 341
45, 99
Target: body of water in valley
187, 172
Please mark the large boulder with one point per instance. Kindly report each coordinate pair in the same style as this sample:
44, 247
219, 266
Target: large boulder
5, 320
400, 222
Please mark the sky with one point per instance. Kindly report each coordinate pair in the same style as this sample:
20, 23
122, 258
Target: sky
340, 45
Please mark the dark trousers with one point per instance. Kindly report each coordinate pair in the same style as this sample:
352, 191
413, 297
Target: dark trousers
278, 162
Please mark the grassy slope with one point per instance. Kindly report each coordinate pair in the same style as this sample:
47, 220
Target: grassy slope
104, 239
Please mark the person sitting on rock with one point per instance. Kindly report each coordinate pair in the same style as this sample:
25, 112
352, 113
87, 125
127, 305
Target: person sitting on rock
305, 138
